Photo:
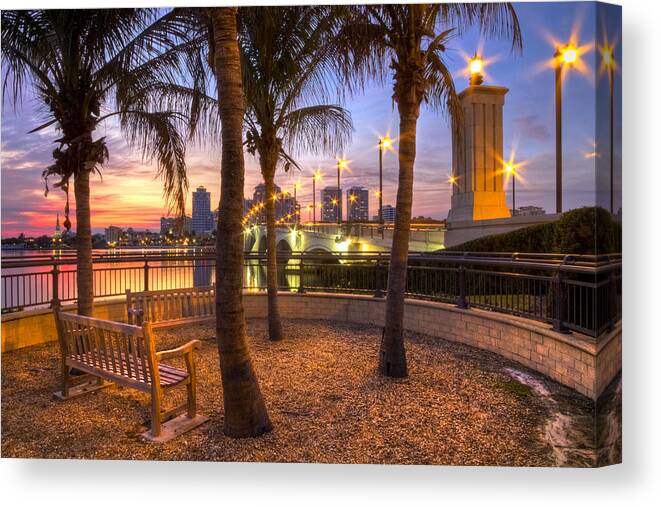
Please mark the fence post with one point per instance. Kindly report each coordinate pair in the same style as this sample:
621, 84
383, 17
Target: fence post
612, 293
146, 275
560, 303
301, 271
378, 286
55, 298
461, 278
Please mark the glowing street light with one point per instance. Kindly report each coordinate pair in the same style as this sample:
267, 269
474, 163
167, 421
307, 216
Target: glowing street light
342, 164
384, 143
567, 55
475, 67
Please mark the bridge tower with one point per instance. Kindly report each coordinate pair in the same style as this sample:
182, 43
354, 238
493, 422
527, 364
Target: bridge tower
477, 157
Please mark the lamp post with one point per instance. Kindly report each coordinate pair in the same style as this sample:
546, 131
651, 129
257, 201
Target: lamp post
509, 169
297, 185
386, 143
341, 164
609, 63
316, 176
352, 200
567, 55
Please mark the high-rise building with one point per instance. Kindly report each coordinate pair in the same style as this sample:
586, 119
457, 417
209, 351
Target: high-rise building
389, 213
113, 234
175, 225
331, 204
202, 219
358, 204
285, 205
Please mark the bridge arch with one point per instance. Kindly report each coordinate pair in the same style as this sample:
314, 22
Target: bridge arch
249, 242
261, 244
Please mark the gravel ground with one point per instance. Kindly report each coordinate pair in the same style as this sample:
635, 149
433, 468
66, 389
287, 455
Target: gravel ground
458, 406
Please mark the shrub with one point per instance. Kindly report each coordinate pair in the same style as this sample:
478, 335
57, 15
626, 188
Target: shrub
589, 230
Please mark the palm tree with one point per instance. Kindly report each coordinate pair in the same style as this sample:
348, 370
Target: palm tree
87, 67
287, 58
245, 411
412, 40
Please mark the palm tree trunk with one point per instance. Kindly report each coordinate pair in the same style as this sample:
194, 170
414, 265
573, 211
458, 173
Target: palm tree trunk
84, 274
392, 357
245, 411
275, 326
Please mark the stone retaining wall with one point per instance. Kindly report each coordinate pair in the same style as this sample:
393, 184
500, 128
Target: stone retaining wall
577, 361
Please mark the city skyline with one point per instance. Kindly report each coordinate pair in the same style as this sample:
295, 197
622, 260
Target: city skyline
130, 194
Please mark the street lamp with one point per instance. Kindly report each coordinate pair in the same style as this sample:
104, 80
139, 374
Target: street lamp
384, 143
341, 165
352, 200
475, 66
297, 186
609, 63
316, 176
509, 169
567, 55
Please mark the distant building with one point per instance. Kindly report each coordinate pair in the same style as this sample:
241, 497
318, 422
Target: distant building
202, 219
113, 234
285, 205
247, 206
358, 206
57, 234
529, 211
389, 213
331, 204
171, 226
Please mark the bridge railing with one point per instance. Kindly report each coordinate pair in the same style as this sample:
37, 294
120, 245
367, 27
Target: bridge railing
571, 292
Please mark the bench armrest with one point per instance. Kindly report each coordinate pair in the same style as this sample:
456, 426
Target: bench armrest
186, 348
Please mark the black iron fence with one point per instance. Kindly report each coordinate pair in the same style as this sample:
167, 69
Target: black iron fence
570, 292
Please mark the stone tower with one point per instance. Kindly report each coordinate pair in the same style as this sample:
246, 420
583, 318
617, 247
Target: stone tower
477, 157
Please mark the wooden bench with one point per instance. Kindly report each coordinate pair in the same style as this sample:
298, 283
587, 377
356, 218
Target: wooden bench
125, 354
171, 307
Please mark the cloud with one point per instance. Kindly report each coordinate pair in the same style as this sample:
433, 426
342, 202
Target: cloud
531, 127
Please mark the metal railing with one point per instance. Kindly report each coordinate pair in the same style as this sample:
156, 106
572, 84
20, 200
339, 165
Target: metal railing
570, 292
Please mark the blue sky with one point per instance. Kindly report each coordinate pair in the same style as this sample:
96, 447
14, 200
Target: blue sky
128, 194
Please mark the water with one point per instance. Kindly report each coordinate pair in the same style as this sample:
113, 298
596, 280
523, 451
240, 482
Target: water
32, 286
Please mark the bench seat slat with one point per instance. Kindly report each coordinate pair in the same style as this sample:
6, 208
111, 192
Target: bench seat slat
169, 375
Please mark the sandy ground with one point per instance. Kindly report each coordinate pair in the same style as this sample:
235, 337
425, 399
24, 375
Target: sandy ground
458, 406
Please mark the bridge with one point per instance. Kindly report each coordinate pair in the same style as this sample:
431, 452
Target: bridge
346, 237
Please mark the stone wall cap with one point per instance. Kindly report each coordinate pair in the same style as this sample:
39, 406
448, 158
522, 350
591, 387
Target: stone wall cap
483, 90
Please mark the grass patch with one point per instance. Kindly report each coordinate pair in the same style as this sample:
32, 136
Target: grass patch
512, 386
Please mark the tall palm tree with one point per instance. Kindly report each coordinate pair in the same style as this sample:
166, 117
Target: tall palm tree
245, 411
287, 58
90, 67
412, 40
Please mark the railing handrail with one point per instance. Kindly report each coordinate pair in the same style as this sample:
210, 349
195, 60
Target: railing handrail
579, 263
577, 292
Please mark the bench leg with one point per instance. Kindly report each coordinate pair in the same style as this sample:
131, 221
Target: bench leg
65, 380
192, 402
156, 413
192, 384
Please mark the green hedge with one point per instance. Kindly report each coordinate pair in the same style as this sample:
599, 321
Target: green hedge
589, 230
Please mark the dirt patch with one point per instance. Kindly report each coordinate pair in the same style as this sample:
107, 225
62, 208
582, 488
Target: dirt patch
326, 401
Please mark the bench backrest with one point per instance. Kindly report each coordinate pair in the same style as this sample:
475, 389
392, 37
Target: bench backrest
120, 349
171, 305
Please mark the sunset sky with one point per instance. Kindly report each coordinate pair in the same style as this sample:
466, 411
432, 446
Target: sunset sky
129, 195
